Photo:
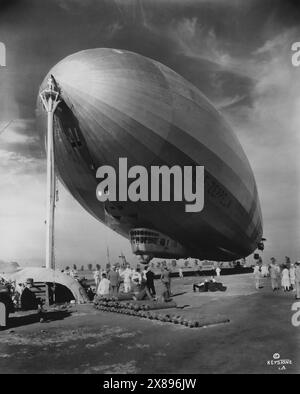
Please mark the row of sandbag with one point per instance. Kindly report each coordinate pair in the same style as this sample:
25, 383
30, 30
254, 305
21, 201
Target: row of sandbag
147, 314
135, 305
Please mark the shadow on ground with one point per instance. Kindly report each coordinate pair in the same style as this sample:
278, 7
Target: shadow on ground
33, 317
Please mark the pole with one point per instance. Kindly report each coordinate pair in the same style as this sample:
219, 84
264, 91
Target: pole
50, 194
50, 100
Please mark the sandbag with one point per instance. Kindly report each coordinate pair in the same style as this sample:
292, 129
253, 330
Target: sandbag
151, 305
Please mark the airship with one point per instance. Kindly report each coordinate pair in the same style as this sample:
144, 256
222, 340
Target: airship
116, 104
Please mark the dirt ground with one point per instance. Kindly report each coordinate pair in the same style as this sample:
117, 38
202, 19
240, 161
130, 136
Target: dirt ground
85, 340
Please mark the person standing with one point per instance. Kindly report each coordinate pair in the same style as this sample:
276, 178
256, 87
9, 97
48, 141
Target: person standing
97, 277
150, 281
218, 271
114, 278
136, 280
285, 279
180, 273
257, 275
29, 300
287, 262
104, 286
274, 274
297, 279
264, 270
126, 275
75, 272
144, 272
278, 271
292, 277
166, 281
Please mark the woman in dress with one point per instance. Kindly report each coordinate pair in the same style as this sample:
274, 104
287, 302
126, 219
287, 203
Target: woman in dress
292, 277
285, 279
257, 275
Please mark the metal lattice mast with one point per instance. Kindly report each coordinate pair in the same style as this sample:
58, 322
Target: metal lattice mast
50, 99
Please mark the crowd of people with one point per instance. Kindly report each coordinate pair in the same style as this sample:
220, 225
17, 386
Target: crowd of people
21, 296
138, 281
285, 276
71, 272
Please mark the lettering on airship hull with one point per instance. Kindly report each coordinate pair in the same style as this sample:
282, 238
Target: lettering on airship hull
161, 180
217, 192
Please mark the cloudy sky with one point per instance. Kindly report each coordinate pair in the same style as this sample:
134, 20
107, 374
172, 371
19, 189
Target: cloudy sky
238, 52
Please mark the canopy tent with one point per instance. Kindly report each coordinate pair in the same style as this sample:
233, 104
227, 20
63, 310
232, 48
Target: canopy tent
48, 275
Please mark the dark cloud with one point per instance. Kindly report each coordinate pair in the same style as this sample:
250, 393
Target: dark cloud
235, 51
39, 34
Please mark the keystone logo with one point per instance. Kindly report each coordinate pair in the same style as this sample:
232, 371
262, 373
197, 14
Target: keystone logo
279, 363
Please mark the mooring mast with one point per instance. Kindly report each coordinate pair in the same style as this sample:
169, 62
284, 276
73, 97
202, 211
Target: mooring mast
50, 98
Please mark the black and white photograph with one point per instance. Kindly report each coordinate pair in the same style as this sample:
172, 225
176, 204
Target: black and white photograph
149, 189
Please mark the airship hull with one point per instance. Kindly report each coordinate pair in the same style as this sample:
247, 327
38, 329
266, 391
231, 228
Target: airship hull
118, 104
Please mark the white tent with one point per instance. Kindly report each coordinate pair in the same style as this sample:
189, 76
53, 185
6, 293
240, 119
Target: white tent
48, 275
